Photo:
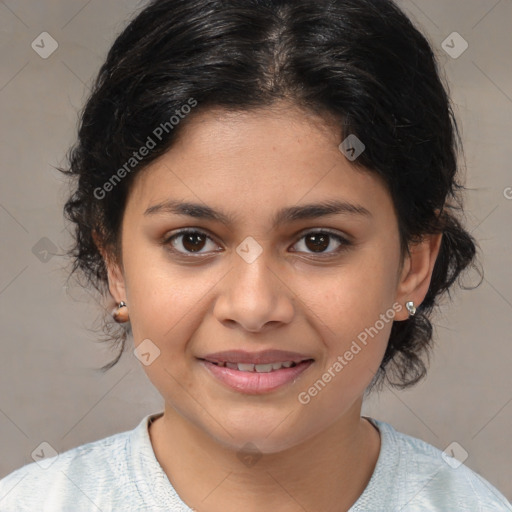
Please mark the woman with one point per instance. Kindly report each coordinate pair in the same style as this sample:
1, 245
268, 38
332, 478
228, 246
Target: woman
268, 191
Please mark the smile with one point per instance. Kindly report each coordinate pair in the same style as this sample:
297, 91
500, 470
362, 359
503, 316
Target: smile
259, 368
256, 378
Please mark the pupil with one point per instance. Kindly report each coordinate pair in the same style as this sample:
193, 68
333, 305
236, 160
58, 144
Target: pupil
189, 238
318, 240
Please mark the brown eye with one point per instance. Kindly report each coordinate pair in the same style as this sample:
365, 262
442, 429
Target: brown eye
319, 241
192, 241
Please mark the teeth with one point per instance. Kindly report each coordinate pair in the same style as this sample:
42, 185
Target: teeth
262, 368
258, 368
245, 367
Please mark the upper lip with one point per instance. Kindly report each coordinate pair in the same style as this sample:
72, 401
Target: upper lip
264, 357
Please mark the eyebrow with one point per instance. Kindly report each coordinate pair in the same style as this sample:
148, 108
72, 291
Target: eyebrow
285, 215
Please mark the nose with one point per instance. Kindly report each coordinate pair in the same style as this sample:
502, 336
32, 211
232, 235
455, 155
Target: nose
254, 296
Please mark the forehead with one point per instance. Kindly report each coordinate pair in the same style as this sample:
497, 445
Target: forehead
257, 160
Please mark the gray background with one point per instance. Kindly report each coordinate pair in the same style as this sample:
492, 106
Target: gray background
50, 390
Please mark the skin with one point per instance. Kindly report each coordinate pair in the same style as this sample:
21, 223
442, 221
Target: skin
318, 456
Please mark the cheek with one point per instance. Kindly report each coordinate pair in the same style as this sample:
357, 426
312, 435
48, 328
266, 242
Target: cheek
351, 308
162, 296
353, 325
352, 296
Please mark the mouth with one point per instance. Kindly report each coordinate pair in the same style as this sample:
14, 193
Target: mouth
257, 368
257, 373
265, 357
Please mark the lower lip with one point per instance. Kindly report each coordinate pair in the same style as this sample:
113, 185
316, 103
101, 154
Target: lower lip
253, 382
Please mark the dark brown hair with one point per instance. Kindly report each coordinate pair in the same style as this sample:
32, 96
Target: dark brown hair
362, 61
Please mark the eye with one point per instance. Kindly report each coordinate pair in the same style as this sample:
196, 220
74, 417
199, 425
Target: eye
320, 240
191, 240
194, 241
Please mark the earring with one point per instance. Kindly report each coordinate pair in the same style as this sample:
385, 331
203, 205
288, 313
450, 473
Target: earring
121, 315
410, 307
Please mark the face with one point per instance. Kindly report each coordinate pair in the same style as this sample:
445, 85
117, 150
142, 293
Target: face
312, 282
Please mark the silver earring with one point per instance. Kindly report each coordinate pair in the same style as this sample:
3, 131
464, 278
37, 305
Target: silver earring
410, 307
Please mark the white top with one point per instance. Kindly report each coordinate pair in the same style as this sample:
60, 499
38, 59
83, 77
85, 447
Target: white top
122, 473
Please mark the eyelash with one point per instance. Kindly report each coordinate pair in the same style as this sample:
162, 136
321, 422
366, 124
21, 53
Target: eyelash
345, 244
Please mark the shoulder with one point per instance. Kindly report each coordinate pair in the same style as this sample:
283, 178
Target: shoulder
430, 479
76, 477
119, 472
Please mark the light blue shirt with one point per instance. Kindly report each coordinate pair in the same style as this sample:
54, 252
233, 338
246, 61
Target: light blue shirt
122, 473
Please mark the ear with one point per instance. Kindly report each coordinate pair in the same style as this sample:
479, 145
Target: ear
116, 283
417, 273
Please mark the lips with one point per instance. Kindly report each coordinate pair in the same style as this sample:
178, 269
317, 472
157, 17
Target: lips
256, 372
256, 358
259, 368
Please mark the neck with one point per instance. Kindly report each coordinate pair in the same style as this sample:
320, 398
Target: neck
326, 472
